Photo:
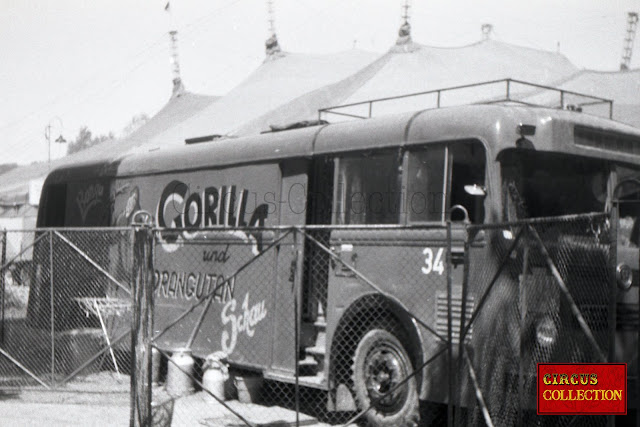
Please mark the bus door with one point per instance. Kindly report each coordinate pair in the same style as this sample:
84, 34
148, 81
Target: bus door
446, 182
377, 194
316, 260
292, 207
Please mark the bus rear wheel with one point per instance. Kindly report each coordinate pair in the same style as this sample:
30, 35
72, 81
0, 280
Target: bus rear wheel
380, 364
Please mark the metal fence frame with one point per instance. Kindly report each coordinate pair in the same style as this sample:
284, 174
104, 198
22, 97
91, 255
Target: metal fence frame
142, 292
527, 232
43, 235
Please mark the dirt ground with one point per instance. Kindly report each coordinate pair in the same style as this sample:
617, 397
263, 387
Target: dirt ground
103, 399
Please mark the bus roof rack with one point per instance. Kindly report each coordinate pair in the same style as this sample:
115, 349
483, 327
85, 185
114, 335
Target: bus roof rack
504, 91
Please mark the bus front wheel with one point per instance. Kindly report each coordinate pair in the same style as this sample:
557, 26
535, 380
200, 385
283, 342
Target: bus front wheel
381, 364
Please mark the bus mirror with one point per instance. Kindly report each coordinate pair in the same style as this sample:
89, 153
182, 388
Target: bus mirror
526, 130
507, 234
475, 190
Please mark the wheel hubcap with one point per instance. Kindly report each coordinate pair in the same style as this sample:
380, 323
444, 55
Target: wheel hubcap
384, 370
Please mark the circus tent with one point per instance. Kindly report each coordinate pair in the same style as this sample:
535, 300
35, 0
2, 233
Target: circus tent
410, 67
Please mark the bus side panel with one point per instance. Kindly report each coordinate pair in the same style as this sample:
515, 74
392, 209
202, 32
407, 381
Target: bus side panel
192, 264
395, 262
290, 257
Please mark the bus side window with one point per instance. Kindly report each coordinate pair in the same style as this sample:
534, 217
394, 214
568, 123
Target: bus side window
368, 189
426, 184
440, 176
467, 160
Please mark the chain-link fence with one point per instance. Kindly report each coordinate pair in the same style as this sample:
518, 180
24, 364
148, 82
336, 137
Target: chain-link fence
346, 325
63, 320
378, 325
544, 291
320, 324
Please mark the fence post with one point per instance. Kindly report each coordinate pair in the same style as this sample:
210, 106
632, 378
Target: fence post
469, 235
141, 326
297, 318
2, 288
613, 285
52, 316
522, 306
450, 328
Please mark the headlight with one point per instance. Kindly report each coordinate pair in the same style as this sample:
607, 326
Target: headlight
624, 276
546, 332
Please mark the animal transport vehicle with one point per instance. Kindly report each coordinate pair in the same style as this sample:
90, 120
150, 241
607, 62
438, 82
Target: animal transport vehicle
373, 198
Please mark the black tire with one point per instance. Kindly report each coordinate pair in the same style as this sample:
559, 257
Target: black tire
381, 362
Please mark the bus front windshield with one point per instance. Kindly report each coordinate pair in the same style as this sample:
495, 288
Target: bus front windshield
542, 184
628, 195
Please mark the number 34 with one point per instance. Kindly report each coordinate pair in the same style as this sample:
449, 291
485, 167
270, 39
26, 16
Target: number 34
432, 263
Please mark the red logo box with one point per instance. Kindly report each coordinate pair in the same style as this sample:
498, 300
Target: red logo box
582, 388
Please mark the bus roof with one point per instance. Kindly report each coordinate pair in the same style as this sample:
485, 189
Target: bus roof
496, 125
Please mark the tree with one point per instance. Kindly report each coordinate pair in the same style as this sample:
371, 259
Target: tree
85, 139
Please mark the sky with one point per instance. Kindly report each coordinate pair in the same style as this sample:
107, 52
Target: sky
73, 63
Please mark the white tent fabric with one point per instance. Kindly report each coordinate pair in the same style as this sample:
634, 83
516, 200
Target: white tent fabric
279, 79
622, 87
411, 68
428, 68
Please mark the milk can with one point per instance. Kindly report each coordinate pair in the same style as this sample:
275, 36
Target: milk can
180, 373
216, 373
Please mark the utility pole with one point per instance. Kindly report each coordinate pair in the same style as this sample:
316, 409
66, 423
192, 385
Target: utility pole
627, 47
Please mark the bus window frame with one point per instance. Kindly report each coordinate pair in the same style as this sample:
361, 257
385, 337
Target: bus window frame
448, 172
610, 166
340, 194
405, 182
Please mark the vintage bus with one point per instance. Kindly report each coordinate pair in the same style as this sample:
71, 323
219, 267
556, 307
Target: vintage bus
376, 194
